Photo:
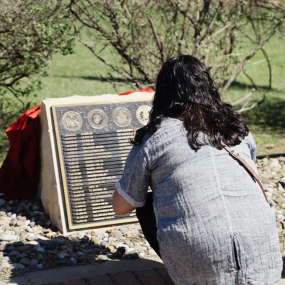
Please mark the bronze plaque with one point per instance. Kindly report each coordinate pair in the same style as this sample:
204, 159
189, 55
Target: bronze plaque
92, 145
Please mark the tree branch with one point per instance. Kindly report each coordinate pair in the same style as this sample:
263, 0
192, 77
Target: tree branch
115, 43
206, 33
244, 98
204, 12
83, 21
269, 67
188, 16
158, 41
252, 53
131, 78
243, 109
15, 95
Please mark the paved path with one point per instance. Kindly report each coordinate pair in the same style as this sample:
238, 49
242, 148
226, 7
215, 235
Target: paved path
147, 277
117, 272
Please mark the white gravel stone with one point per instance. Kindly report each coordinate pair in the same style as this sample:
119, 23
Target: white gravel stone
33, 242
130, 250
280, 188
6, 258
3, 218
103, 257
111, 240
5, 264
151, 252
10, 238
13, 216
274, 163
29, 230
268, 189
280, 217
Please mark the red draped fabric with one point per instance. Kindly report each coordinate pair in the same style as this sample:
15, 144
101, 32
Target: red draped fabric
148, 90
20, 171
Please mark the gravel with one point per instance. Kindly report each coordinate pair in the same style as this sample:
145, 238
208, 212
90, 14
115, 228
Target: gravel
28, 241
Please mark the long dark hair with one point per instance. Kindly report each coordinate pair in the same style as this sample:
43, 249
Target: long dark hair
185, 88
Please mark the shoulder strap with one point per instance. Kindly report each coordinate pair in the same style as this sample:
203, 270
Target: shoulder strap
236, 155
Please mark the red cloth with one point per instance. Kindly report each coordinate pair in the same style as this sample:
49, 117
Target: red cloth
142, 90
20, 171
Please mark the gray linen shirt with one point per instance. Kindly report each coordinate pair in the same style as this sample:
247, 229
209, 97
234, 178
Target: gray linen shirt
206, 206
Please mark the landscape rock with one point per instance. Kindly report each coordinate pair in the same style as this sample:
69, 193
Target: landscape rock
25, 261
5, 264
34, 263
10, 238
18, 266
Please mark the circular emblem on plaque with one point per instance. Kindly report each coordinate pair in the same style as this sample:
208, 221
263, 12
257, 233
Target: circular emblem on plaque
97, 119
143, 114
122, 117
72, 121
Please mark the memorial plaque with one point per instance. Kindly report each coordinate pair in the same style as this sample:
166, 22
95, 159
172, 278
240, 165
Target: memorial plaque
92, 146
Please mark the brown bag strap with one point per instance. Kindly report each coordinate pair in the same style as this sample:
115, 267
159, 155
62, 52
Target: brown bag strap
236, 155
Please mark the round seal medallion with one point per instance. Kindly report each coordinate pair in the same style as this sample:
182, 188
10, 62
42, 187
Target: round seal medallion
142, 114
72, 121
97, 119
122, 117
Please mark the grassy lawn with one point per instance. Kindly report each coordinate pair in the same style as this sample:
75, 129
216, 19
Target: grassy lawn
81, 74
266, 121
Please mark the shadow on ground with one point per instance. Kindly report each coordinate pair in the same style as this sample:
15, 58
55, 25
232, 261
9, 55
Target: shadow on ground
268, 115
137, 272
30, 244
243, 86
96, 78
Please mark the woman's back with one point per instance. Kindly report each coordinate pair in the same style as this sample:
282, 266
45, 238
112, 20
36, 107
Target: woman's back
214, 226
207, 208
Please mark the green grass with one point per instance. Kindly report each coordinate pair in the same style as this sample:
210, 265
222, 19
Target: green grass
81, 74
266, 121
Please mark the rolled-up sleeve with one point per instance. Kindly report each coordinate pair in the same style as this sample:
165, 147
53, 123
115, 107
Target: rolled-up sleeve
134, 182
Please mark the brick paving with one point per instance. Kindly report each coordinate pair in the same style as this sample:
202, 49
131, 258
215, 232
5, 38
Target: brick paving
147, 277
75, 282
150, 278
102, 280
124, 278
165, 276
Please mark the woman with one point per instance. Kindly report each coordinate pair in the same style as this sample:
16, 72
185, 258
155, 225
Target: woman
214, 225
